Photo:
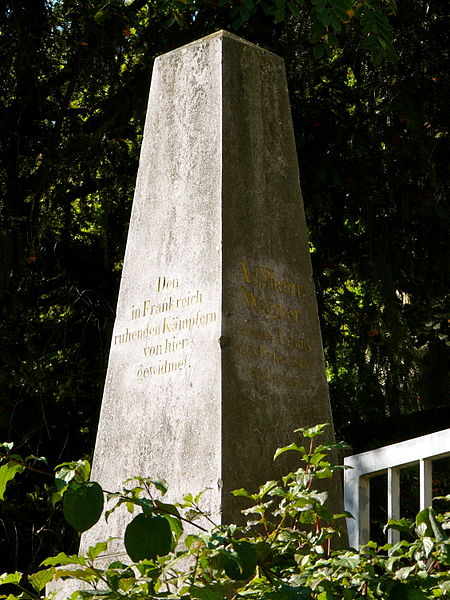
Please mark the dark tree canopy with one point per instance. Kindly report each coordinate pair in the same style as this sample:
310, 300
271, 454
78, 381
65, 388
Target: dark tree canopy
369, 96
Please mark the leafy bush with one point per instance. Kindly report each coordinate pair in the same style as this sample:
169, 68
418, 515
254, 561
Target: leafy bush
283, 552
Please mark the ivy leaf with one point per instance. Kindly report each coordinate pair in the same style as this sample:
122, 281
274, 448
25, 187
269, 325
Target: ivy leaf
83, 505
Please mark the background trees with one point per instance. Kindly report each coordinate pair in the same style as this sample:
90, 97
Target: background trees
373, 150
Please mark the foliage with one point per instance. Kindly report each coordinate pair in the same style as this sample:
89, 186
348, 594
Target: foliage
372, 141
282, 552
328, 19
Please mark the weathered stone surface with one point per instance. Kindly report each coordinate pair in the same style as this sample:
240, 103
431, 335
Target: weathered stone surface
216, 354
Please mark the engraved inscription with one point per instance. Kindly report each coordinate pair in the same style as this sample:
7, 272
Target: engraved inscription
265, 278
159, 331
272, 310
148, 307
274, 347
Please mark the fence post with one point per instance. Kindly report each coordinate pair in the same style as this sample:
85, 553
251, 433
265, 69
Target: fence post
426, 482
393, 497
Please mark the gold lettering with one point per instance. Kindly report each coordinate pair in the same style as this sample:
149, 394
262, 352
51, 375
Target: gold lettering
249, 297
293, 341
153, 350
166, 326
174, 345
273, 311
135, 312
169, 304
264, 277
245, 272
166, 284
162, 368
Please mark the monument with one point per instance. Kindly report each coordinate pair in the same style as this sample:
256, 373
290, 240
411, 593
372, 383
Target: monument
216, 354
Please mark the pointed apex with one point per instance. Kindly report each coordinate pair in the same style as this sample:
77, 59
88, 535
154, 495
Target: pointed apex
221, 34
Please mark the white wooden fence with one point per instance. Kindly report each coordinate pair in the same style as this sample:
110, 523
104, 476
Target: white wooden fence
391, 459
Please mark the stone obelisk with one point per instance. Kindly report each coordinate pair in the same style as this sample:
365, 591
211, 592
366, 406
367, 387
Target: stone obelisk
216, 355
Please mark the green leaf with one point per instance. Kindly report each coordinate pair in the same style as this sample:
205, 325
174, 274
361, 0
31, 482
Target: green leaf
148, 536
60, 485
241, 563
79, 470
176, 527
170, 509
83, 505
403, 591
427, 525
290, 447
294, 9
404, 572
403, 525
7, 473
63, 559
10, 578
327, 595
243, 492
8, 446
161, 485
269, 485
316, 458
428, 545
40, 579
86, 574
312, 432
145, 503
100, 17
41, 459
94, 551
192, 539
204, 593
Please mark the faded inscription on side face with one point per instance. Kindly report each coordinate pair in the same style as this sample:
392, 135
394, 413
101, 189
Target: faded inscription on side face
271, 340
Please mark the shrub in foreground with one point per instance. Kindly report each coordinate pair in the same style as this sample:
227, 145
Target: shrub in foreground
283, 552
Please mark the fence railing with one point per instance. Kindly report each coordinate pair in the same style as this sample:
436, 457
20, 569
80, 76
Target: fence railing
391, 459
